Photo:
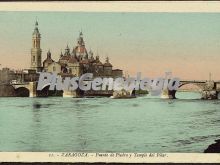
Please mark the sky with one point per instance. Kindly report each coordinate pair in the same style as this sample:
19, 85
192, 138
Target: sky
188, 44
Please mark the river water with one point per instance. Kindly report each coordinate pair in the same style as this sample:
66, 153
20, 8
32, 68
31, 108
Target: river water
143, 124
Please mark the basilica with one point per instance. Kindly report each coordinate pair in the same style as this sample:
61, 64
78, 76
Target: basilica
72, 62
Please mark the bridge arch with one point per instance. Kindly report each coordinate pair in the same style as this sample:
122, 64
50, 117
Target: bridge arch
189, 90
133, 92
22, 92
45, 92
199, 86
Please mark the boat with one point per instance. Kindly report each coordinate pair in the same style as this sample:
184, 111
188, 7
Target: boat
122, 94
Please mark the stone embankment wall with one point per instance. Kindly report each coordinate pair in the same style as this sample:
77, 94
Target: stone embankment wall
6, 91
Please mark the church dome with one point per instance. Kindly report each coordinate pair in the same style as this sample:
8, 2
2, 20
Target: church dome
85, 61
98, 63
107, 63
67, 51
48, 60
65, 57
73, 60
80, 40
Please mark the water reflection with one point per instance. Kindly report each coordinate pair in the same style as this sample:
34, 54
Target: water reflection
219, 95
188, 95
36, 105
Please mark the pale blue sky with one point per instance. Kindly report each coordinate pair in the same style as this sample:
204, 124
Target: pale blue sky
186, 43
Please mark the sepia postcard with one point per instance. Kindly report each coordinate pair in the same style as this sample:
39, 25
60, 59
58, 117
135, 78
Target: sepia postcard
134, 82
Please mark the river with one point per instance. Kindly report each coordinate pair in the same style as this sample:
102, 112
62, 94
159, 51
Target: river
142, 124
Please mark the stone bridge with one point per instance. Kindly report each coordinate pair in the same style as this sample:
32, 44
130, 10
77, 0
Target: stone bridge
32, 89
208, 89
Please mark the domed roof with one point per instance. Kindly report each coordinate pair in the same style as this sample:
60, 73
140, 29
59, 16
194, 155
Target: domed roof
73, 60
80, 40
107, 63
65, 57
91, 60
61, 54
62, 64
85, 61
67, 51
48, 61
98, 63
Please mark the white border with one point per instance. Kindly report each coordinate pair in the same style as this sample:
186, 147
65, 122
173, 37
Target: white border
150, 6
91, 157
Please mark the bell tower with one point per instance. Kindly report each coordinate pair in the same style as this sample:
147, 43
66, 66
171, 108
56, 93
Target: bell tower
36, 50
81, 49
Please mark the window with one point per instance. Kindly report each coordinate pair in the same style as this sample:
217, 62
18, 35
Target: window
33, 58
54, 68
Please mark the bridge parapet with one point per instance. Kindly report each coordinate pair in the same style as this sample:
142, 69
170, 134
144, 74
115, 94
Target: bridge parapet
203, 85
16, 86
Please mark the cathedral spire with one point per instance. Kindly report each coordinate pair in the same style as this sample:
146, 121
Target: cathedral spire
107, 63
61, 54
49, 54
36, 23
80, 39
36, 30
36, 50
80, 34
67, 51
107, 60
97, 58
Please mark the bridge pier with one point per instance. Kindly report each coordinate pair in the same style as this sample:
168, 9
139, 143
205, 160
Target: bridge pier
32, 89
69, 93
209, 94
168, 94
